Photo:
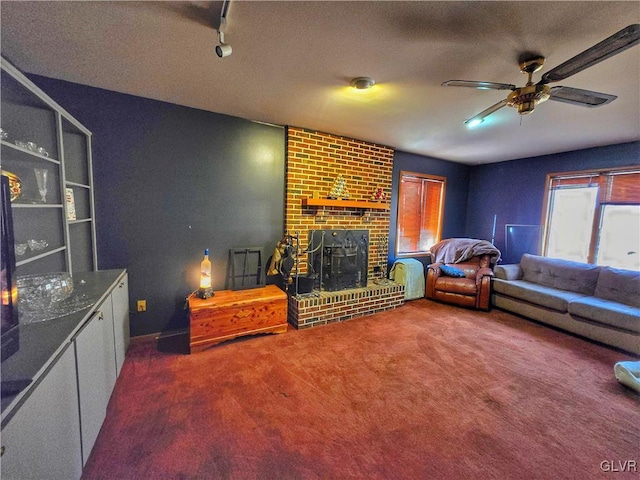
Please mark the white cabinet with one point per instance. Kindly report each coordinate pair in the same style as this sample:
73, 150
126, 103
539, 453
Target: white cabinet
95, 360
42, 440
50, 431
120, 302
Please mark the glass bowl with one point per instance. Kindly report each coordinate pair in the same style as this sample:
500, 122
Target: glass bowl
41, 291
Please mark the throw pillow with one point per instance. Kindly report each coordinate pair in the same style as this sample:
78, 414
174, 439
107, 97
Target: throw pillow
451, 271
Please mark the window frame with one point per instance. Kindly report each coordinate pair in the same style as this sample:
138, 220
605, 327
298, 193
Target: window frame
422, 176
602, 175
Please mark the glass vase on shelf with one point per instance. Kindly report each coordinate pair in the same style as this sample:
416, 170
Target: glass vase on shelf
41, 178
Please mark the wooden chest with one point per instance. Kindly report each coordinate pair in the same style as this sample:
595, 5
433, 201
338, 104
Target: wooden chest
230, 314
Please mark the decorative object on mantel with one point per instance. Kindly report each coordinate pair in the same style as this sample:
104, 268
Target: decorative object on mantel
379, 194
339, 189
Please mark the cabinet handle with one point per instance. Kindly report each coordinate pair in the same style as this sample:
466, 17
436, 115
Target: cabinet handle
101, 317
2, 450
121, 285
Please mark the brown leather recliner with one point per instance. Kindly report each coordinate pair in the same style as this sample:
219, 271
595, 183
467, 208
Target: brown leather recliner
471, 291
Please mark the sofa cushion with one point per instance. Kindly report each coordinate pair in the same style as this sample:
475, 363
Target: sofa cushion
537, 294
461, 286
607, 312
619, 286
562, 274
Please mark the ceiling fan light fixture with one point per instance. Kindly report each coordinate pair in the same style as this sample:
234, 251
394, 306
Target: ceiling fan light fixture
362, 83
526, 99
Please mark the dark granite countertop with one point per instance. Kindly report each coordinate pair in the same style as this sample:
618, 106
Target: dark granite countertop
42, 342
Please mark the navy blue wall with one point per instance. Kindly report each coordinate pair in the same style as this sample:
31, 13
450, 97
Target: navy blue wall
456, 195
513, 191
170, 181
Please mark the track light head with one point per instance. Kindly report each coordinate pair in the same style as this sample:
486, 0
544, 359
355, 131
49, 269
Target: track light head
223, 50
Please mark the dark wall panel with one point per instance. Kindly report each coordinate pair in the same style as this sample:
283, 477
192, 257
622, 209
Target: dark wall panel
455, 206
169, 182
513, 191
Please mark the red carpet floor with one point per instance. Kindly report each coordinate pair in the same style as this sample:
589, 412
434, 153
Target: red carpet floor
427, 391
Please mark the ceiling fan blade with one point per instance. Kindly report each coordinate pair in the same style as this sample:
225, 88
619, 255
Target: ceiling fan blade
616, 43
583, 98
480, 85
476, 119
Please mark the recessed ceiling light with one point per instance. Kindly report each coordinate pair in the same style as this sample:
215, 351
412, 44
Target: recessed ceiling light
362, 83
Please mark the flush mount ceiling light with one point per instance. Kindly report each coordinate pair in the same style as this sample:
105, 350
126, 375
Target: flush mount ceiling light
362, 83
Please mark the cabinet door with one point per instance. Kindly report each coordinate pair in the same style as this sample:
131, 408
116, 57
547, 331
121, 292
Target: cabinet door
95, 360
42, 440
120, 300
106, 308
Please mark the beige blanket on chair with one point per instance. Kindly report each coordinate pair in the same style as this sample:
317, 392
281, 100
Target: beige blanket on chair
458, 250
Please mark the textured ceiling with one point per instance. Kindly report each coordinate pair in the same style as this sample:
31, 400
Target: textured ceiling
292, 63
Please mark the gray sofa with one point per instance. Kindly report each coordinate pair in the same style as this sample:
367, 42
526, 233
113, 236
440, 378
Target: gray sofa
600, 303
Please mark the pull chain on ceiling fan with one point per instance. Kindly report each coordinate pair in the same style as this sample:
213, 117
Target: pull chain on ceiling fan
526, 98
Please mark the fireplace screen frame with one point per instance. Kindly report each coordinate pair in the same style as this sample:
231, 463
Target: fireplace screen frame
339, 259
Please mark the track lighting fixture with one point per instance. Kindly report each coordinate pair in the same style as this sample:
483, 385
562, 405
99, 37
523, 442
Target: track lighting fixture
223, 50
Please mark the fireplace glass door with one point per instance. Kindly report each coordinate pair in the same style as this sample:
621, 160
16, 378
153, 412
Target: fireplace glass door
339, 258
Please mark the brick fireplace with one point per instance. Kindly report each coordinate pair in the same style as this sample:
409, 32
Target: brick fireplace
314, 161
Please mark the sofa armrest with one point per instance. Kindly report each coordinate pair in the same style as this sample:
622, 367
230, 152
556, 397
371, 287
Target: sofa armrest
508, 272
433, 272
434, 268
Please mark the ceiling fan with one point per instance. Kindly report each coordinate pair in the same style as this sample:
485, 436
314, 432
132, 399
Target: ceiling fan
526, 98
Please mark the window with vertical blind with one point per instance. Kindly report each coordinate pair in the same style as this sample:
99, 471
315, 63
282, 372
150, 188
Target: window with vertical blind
594, 217
420, 207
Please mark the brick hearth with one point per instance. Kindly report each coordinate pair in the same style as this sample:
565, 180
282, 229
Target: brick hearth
329, 307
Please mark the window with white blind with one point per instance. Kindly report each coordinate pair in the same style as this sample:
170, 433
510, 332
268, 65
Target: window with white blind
420, 207
594, 217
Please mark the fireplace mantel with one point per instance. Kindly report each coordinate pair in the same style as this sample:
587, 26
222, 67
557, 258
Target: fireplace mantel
330, 202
